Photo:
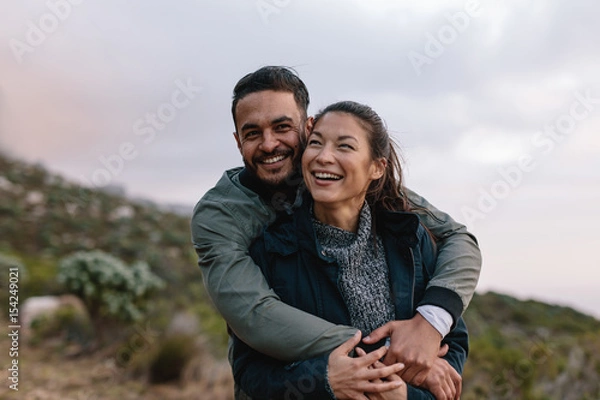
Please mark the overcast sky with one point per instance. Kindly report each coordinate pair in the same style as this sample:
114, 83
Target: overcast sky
496, 106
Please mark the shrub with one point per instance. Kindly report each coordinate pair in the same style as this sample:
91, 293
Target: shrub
171, 358
107, 285
67, 321
8, 266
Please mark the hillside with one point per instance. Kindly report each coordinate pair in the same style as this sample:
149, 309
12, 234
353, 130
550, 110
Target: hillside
530, 350
519, 349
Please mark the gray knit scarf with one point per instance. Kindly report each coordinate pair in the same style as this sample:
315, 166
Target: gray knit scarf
363, 277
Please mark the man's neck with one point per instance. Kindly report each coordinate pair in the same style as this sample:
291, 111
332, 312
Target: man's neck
276, 196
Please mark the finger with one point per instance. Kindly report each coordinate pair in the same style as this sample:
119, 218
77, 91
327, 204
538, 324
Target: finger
379, 333
392, 377
381, 387
438, 393
449, 389
348, 345
373, 356
441, 391
390, 358
383, 372
457, 380
408, 374
443, 350
419, 377
360, 352
449, 383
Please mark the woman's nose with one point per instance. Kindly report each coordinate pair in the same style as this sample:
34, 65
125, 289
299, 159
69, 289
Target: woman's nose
325, 155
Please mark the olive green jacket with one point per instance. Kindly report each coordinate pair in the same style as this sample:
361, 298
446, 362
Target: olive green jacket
230, 216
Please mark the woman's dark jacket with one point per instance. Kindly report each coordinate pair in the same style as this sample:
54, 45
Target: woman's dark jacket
293, 263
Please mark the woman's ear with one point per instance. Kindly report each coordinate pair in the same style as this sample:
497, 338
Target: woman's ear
380, 165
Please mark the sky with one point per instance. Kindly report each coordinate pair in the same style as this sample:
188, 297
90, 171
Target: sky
494, 104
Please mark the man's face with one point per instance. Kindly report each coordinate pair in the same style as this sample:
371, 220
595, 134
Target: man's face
269, 126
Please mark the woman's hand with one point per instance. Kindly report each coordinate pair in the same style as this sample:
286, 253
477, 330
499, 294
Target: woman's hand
443, 381
351, 378
399, 393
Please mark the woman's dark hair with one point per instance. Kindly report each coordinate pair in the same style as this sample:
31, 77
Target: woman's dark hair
386, 192
279, 79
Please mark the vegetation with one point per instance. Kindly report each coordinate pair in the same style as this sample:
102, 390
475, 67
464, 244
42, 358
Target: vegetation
133, 261
530, 350
108, 286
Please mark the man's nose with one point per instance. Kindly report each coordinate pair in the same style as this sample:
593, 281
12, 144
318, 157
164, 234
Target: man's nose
269, 142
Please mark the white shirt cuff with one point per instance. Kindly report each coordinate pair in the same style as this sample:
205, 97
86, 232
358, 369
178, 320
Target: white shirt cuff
439, 318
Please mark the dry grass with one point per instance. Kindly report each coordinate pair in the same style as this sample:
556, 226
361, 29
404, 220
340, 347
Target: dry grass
47, 373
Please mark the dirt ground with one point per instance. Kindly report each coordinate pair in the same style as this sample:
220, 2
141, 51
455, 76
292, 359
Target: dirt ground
45, 373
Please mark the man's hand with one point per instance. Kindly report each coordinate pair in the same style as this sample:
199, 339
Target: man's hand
351, 378
414, 342
443, 381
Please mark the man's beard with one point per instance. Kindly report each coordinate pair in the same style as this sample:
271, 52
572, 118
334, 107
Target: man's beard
291, 179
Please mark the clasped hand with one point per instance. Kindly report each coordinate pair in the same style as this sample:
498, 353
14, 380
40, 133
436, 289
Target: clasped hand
414, 356
351, 378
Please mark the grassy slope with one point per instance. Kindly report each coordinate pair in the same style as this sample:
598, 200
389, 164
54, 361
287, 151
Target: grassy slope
519, 349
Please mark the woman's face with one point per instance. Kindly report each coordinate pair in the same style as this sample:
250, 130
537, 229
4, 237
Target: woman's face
337, 164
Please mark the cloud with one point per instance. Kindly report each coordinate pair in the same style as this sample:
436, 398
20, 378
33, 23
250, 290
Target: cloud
76, 98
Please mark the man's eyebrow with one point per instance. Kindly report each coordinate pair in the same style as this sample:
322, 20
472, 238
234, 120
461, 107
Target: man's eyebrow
283, 118
247, 126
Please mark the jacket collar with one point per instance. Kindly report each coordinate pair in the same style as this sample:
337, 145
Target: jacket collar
289, 233
283, 197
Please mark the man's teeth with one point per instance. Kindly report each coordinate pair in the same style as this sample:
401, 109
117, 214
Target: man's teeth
325, 175
273, 159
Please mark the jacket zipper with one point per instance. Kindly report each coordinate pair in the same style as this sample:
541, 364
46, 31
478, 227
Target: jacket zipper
412, 291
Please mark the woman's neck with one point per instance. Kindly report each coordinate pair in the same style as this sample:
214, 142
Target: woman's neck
344, 217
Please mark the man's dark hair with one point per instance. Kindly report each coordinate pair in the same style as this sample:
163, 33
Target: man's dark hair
277, 78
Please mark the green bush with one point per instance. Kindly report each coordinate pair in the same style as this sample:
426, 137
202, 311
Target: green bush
109, 287
8, 262
10, 289
171, 358
72, 324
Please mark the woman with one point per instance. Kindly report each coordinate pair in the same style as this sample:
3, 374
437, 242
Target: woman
351, 254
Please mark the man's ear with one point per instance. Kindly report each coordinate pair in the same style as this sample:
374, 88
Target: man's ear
310, 122
237, 140
307, 130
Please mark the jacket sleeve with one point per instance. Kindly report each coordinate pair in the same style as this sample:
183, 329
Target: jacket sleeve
459, 258
263, 377
417, 393
458, 341
223, 228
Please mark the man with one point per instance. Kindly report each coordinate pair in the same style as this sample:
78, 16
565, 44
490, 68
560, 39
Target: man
270, 115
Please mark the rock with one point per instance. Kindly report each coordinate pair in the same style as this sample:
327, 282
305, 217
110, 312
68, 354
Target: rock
63, 316
35, 307
183, 323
